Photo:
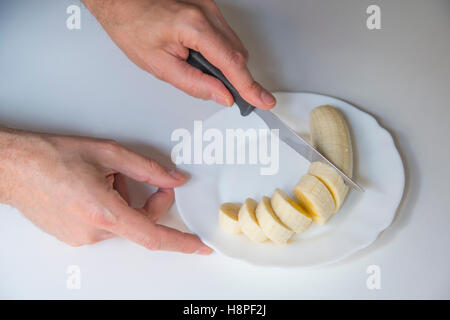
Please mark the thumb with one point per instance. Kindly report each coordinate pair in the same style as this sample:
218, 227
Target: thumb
135, 226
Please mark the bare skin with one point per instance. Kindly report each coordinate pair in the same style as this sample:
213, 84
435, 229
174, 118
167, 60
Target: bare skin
74, 189
156, 36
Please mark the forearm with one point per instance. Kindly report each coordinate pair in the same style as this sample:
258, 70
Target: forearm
8, 141
8, 138
17, 153
110, 12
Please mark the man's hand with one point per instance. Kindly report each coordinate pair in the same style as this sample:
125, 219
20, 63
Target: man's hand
74, 189
156, 36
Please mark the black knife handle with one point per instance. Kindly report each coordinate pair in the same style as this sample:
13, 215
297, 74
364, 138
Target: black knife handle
198, 61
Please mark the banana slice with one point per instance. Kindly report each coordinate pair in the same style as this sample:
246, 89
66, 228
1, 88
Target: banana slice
314, 196
228, 217
249, 223
331, 136
332, 180
289, 212
272, 226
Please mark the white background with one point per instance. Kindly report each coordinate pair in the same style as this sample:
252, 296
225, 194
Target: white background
78, 82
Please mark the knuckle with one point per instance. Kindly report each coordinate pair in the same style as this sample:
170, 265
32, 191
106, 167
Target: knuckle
192, 13
88, 239
73, 243
91, 239
151, 243
109, 146
239, 58
101, 217
153, 166
254, 86
194, 19
211, 4
112, 144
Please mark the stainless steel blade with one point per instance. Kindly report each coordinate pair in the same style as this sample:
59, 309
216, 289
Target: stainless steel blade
300, 145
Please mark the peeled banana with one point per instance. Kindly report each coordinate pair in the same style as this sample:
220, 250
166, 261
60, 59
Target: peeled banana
289, 212
271, 225
331, 136
228, 217
249, 223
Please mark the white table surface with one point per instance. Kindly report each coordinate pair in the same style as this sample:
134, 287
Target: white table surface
78, 82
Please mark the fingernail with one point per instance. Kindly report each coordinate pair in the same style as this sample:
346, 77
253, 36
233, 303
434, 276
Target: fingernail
267, 97
220, 100
204, 251
177, 174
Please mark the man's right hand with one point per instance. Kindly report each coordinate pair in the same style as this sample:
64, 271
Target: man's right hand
157, 35
74, 189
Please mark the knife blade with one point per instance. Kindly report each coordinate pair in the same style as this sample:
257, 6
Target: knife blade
300, 145
286, 134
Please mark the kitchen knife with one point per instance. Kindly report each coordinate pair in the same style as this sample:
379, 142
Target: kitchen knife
286, 134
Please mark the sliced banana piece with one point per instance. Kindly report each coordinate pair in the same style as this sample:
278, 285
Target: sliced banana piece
315, 198
228, 217
332, 180
290, 212
249, 223
272, 226
331, 136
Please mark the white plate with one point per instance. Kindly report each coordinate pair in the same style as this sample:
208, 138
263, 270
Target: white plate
378, 168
